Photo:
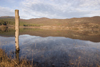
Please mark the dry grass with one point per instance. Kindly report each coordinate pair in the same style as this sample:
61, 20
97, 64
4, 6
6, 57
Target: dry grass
8, 62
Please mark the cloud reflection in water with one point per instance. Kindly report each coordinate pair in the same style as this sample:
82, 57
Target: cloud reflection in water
54, 50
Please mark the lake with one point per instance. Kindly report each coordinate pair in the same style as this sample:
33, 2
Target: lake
58, 48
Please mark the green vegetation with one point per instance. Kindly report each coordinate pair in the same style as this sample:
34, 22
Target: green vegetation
11, 22
36, 25
3, 22
7, 21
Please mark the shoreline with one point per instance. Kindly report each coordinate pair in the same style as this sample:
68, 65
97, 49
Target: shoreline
73, 28
6, 61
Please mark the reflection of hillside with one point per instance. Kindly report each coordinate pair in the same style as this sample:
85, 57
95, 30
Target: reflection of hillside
3, 29
83, 35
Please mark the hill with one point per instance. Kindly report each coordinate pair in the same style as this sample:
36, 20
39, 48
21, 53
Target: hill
73, 22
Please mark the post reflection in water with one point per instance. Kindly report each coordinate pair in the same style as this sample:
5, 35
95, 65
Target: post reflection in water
17, 56
4, 29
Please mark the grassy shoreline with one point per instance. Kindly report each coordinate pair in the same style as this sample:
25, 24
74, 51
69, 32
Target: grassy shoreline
5, 61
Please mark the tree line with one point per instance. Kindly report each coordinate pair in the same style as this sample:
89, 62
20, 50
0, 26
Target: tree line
8, 22
3, 22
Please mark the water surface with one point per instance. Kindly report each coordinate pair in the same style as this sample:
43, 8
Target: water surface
60, 51
50, 50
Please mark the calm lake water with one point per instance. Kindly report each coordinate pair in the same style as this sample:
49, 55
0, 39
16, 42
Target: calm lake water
54, 50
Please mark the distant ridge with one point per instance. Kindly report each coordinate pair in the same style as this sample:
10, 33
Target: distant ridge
44, 18
61, 22
5, 17
40, 18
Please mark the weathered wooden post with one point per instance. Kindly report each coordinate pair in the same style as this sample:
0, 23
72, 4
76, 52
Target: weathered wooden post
17, 29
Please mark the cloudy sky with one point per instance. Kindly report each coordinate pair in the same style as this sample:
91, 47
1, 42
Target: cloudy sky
60, 9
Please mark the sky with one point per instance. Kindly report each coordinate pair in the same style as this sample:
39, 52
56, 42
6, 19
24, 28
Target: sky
60, 9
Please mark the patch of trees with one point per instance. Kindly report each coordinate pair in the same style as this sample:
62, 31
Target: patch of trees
3, 22
35, 25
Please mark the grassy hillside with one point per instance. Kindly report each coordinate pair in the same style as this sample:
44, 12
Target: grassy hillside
73, 22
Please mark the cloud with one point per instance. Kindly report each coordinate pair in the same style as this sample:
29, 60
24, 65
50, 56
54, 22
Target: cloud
52, 8
5, 11
61, 8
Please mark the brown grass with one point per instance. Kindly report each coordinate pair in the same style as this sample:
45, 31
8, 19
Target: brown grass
8, 62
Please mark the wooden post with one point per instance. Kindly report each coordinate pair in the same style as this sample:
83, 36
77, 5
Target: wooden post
17, 29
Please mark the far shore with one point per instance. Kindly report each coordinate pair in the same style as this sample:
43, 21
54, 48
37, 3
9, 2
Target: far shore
74, 28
